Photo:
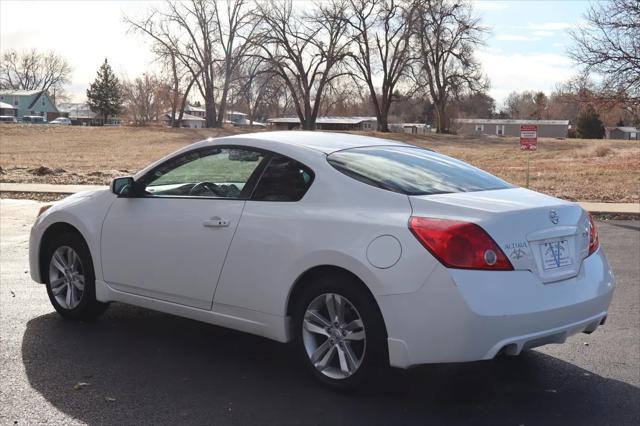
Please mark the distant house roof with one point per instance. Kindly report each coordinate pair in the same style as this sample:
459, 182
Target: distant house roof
4, 105
186, 116
194, 108
324, 120
76, 110
509, 121
72, 106
39, 95
625, 129
246, 122
11, 92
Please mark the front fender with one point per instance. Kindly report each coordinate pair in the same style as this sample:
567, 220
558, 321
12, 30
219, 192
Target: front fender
85, 212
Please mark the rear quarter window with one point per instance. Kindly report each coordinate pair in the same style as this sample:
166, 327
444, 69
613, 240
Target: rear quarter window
284, 179
412, 170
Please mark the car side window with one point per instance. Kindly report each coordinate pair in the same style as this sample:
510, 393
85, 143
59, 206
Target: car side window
216, 172
283, 179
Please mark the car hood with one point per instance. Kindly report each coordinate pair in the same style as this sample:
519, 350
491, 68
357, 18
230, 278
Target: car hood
78, 197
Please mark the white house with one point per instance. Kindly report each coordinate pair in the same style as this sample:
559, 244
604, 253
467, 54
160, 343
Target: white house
327, 123
188, 121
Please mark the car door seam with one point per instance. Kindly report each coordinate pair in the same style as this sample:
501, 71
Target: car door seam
224, 261
104, 219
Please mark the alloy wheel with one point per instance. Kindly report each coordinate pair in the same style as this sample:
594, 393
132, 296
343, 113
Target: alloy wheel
66, 277
334, 336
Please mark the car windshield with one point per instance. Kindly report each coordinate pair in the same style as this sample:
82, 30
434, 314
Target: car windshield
412, 170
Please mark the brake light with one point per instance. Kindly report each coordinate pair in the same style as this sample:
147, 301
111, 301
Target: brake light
594, 241
458, 244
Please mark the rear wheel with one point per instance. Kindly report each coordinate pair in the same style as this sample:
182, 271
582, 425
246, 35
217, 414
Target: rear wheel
70, 278
339, 333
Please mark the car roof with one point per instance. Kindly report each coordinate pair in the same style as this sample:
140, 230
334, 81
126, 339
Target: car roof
326, 142
287, 143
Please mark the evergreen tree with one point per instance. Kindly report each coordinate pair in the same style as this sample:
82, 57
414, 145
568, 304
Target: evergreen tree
589, 125
105, 96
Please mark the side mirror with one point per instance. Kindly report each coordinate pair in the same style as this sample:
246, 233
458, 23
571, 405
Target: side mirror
122, 186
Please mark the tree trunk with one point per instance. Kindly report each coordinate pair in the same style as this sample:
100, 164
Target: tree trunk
441, 117
383, 120
223, 98
221, 109
383, 126
210, 107
308, 124
184, 103
176, 89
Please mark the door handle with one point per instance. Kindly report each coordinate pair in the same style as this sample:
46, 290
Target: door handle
216, 222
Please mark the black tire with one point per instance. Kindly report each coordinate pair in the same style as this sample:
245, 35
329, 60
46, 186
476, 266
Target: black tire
375, 364
88, 308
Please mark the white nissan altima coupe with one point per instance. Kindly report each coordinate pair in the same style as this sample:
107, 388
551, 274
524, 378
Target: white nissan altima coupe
364, 252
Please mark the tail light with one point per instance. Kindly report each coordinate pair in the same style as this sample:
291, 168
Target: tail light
460, 245
594, 241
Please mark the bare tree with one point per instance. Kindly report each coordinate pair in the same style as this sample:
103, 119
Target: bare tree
521, 105
542, 103
256, 85
381, 31
475, 105
610, 46
208, 41
166, 49
236, 27
446, 35
343, 97
573, 97
187, 29
33, 70
177, 76
146, 98
304, 49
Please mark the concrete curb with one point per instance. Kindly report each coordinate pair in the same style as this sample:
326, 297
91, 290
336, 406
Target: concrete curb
47, 188
613, 208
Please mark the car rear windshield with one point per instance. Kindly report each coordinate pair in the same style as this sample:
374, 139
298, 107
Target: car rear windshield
412, 170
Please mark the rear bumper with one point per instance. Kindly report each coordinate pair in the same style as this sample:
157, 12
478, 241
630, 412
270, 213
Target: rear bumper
459, 316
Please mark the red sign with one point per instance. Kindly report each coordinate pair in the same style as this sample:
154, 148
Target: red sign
529, 137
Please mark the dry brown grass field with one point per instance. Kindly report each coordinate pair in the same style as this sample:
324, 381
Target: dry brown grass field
574, 169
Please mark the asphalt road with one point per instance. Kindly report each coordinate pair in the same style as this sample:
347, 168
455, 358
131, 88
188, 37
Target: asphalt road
142, 367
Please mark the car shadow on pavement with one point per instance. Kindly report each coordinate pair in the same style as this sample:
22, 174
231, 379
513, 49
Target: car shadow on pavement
135, 366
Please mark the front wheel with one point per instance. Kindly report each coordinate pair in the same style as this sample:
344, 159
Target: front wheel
70, 278
340, 334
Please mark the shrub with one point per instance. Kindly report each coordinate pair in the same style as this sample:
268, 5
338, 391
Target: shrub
589, 125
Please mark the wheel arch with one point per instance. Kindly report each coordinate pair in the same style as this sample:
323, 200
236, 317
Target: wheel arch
53, 230
328, 270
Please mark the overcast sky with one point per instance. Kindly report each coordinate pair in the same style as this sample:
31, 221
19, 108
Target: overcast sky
525, 49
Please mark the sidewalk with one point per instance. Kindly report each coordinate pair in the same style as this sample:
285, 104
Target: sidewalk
612, 208
47, 188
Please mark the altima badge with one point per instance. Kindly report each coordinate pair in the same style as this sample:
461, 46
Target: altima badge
553, 217
517, 253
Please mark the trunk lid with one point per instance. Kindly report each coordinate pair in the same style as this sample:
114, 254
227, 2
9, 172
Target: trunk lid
539, 233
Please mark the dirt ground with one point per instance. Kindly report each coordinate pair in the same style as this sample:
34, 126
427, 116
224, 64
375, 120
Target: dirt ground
574, 169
